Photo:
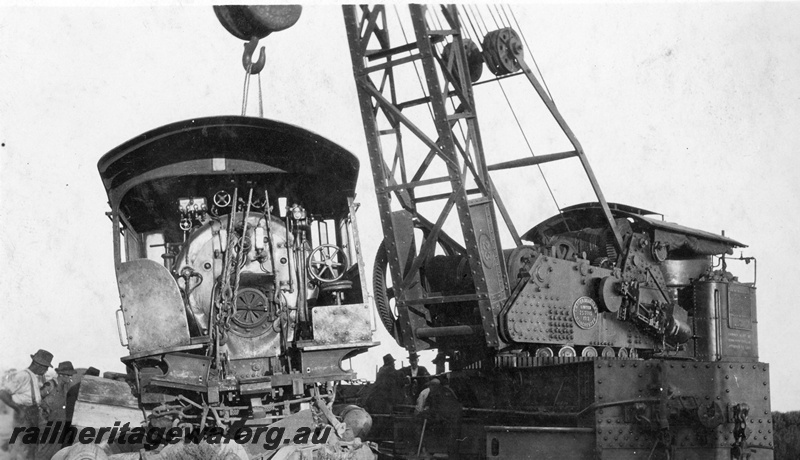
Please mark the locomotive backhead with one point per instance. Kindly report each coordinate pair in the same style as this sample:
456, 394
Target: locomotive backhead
240, 276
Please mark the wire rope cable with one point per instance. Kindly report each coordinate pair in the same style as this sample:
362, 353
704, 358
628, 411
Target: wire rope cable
530, 52
508, 101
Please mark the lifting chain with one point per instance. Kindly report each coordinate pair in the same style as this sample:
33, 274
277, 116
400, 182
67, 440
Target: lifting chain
234, 259
223, 301
740, 432
241, 253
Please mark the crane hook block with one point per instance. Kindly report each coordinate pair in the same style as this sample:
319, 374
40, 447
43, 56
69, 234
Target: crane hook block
247, 57
257, 21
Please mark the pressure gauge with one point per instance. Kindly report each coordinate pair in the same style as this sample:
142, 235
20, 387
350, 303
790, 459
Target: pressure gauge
298, 213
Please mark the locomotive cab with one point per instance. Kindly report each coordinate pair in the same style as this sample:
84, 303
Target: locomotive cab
238, 264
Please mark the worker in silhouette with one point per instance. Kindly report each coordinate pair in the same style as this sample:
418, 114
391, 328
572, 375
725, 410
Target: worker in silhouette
439, 362
388, 389
439, 404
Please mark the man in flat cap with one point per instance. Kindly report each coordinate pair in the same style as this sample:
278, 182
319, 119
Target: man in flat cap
22, 393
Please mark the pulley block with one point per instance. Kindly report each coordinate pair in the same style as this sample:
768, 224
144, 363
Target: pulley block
257, 21
474, 60
499, 51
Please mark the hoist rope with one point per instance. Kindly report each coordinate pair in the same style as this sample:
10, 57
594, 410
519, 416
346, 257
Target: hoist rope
530, 149
493, 18
416, 70
260, 98
452, 102
508, 102
476, 13
546, 88
246, 92
246, 89
530, 52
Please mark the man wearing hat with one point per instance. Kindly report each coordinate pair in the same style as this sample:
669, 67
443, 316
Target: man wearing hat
388, 377
54, 393
388, 365
22, 393
54, 405
387, 390
439, 404
415, 375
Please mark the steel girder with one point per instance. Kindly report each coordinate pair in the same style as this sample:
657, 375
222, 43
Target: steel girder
401, 171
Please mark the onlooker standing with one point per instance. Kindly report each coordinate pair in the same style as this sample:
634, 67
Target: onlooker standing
415, 376
22, 393
387, 390
54, 406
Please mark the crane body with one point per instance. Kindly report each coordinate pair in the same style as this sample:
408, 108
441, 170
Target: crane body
601, 332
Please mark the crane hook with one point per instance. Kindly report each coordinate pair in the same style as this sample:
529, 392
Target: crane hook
247, 58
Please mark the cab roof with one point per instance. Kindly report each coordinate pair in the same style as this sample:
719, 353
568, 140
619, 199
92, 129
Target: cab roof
683, 240
221, 151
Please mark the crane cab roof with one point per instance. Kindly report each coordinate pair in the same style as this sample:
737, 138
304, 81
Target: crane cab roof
684, 241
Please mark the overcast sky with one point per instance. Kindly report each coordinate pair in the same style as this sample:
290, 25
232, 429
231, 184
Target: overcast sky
688, 110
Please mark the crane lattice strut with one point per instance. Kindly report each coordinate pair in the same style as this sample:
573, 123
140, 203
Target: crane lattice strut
470, 194
368, 37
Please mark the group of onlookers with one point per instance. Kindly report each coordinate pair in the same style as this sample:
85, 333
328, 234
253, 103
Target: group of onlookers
433, 400
37, 401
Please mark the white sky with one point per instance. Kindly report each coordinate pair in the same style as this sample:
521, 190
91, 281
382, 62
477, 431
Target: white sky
688, 110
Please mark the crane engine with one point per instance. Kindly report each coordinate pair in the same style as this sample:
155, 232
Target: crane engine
601, 332
574, 295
